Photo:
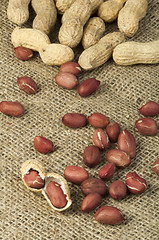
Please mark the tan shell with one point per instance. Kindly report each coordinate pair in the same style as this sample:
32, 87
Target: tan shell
17, 11
46, 15
95, 4
30, 38
63, 5
93, 31
99, 53
130, 53
64, 185
32, 164
130, 15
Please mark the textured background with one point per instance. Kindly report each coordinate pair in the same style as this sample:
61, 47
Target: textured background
26, 215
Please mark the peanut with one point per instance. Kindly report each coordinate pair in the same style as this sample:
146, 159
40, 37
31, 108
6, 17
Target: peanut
23, 53
93, 31
71, 67
100, 52
107, 171
130, 15
74, 120
91, 156
33, 179
126, 143
91, 201
155, 166
66, 80
118, 190
63, 5
135, 183
14, 109
46, 15
150, 109
109, 10
130, 53
88, 86
56, 194
120, 158
113, 131
27, 84
146, 126
43, 145
93, 185
98, 120
101, 139
75, 174
17, 11
51, 54
109, 215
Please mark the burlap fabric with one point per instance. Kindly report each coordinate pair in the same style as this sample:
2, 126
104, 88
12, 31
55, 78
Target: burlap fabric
26, 215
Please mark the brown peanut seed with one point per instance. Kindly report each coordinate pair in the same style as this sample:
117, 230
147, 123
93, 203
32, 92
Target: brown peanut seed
33, 179
107, 171
91, 156
90, 202
88, 87
66, 80
56, 194
109, 215
135, 183
74, 120
155, 166
23, 53
150, 109
93, 185
101, 139
120, 158
14, 109
118, 190
126, 143
98, 120
43, 145
75, 174
71, 67
146, 126
113, 131
27, 84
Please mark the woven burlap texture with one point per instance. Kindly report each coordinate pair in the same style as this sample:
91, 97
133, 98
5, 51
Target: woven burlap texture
26, 215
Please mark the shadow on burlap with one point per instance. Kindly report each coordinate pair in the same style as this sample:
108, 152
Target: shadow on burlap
27, 215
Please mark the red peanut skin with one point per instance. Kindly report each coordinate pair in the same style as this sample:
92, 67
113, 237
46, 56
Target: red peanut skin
27, 84
14, 109
66, 80
98, 120
101, 139
109, 215
127, 143
33, 179
107, 171
75, 174
56, 195
90, 202
88, 87
146, 126
120, 158
150, 109
91, 156
118, 190
155, 166
71, 67
135, 183
113, 131
43, 145
74, 120
93, 185
23, 53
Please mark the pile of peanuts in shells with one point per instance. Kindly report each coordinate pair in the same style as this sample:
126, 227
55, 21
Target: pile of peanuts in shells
78, 26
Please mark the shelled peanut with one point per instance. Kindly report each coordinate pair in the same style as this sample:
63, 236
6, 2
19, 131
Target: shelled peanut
53, 186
